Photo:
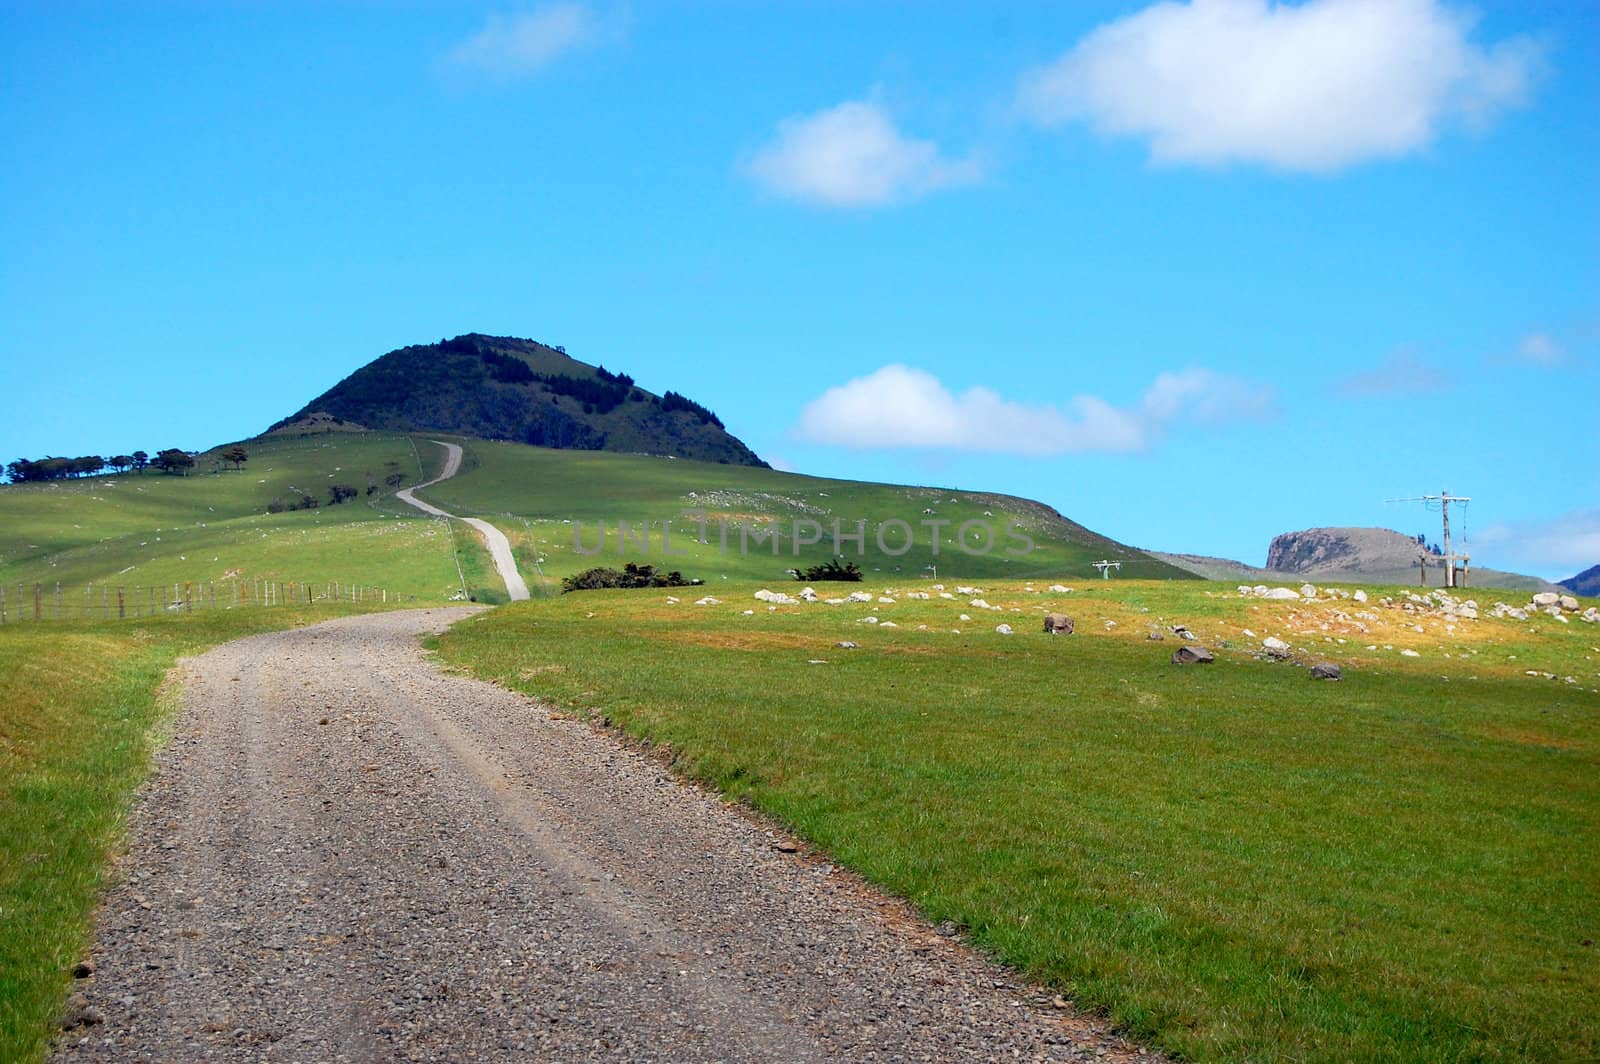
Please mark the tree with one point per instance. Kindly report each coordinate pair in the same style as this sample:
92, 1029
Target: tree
338, 493
174, 460
236, 455
120, 462
140, 460
87, 465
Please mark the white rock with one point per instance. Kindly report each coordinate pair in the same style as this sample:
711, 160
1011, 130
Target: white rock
709, 601
860, 596
888, 624
1359, 595
1059, 589
1547, 598
1569, 603
969, 590
671, 600
1272, 642
1003, 629
1308, 591
868, 620
885, 599
916, 594
980, 604
1409, 653
1284, 594
946, 595
963, 617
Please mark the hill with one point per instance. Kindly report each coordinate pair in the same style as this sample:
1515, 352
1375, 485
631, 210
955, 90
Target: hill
504, 388
1585, 583
1346, 555
148, 529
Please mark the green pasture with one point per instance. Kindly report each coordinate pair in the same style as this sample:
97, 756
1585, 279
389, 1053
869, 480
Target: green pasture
1235, 862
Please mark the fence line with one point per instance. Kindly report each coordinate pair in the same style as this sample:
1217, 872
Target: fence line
39, 602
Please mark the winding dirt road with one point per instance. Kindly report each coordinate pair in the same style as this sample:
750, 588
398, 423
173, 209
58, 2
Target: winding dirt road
499, 546
346, 854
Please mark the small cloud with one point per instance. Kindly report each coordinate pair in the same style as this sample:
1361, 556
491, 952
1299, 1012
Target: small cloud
1568, 543
852, 155
1316, 87
1541, 349
516, 46
1402, 373
898, 407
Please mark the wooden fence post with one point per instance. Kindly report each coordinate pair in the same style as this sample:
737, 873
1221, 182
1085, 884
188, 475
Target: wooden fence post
122, 611
58, 600
187, 604
38, 605
2, 604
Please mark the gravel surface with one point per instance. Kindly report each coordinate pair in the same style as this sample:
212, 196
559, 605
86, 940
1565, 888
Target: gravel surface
347, 855
499, 546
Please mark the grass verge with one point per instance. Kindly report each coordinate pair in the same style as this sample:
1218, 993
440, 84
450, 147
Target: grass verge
80, 710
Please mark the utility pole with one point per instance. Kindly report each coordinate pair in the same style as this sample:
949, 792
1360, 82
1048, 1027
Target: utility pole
1105, 568
1444, 499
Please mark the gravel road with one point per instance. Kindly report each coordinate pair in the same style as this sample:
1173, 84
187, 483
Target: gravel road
345, 854
499, 546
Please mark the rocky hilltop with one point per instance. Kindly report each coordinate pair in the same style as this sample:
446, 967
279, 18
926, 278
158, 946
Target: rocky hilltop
505, 388
1347, 555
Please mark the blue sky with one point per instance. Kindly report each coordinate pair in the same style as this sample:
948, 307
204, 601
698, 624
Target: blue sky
1193, 274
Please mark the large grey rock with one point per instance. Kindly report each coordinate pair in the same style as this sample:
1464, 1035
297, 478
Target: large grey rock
1325, 670
1192, 655
1058, 624
1546, 598
1569, 603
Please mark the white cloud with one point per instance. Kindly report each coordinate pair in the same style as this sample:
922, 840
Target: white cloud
852, 155
901, 407
1317, 86
513, 46
1541, 349
1404, 372
1565, 544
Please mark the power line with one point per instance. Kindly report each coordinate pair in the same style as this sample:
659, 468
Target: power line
1444, 499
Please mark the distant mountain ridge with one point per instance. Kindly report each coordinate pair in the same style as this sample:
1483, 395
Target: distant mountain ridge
1586, 583
503, 387
1347, 555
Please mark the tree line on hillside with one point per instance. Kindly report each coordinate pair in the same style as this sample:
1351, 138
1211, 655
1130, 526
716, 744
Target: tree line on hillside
173, 460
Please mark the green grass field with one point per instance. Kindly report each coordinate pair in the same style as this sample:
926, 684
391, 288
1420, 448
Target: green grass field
564, 495
81, 711
144, 530
1235, 862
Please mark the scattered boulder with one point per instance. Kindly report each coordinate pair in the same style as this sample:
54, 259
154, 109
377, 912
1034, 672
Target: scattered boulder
1546, 599
1058, 624
846, 644
1275, 647
1003, 629
1182, 632
777, 598
1155, 636
1059, 589
1284, 594
1359, 595
1325, 670
1569, 603
1308, 591
1192, 654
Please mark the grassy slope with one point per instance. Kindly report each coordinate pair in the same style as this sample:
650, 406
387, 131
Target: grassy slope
79, 712
1236, 862
510, 482
142, 530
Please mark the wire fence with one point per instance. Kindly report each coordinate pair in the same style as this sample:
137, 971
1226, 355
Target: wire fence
28, 603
